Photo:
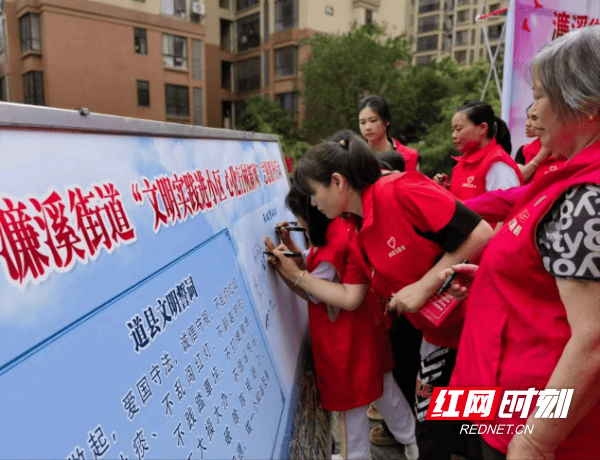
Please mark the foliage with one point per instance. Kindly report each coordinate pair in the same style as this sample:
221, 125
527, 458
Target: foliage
262, 115
436, 147
344, 68
422, 99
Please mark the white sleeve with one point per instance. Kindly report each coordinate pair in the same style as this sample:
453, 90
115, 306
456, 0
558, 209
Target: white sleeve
325, 271
501, 177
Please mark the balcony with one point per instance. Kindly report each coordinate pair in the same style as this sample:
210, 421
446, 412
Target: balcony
367, 4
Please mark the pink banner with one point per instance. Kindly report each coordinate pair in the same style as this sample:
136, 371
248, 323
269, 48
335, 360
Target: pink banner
536, 23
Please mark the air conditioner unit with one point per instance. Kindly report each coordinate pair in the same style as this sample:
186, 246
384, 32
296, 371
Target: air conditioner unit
198, 8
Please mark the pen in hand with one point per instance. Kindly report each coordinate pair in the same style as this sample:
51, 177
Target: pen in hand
285, 253
448, 281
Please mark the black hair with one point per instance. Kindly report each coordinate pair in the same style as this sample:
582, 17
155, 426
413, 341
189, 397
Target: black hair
391, 160
351, 157
299, 203
379, 105
481, 112
341, 135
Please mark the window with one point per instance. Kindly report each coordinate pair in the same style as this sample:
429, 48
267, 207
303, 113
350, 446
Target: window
226, 75
174, 51
494, 32
286, 14
289, 102
248, 32
226, 28
462, 38
33, 88
422, 60
475, 13
463, 2
243, 4
462, 16
197, 59
428, 5
286, 61
179, 8
177, 101
143, 93
198, 107
473, 36
494, 7
248, 75
429, 23
472, 56
224, 4
30, 33
139, 41
461, 57
427, 43
266, 22
266, 69
3, 95
174, 7
368, 17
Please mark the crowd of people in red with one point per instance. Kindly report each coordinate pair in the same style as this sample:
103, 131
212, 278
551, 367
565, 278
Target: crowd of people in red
383, 241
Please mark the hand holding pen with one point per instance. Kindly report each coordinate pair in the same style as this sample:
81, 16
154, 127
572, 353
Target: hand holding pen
461, 278
290, 227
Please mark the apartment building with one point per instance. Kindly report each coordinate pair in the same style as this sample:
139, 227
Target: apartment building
448, 28
130, 58
185, 61
256, 45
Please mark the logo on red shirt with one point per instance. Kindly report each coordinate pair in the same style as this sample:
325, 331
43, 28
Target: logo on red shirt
469, 183
391, 242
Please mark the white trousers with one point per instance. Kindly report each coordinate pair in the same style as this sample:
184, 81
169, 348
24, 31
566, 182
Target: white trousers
393, 407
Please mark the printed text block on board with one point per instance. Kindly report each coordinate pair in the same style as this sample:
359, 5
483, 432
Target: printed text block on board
174, 367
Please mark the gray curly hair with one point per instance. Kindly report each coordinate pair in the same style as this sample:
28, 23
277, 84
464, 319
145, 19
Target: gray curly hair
568, 70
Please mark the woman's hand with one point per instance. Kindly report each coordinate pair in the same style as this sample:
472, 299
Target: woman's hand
522, 447
409, 299
442, 179
285, 266
462, 284
283, 234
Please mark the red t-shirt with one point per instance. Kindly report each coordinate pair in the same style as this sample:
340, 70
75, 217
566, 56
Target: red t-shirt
351, 348
400, 211
411, 156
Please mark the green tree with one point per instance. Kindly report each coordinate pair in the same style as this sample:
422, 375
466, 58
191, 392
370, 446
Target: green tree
342, 69
435, 147
262, 115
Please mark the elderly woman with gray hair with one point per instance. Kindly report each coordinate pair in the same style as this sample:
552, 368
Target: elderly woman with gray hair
532, 324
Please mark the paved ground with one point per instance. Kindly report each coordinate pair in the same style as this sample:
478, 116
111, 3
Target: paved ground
395, 452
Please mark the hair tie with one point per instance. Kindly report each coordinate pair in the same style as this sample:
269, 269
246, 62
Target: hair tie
344, 143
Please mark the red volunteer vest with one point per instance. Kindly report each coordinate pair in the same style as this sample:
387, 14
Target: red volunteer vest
397, 254
546, 166
516, 325
352, 352
468, 176
411, 156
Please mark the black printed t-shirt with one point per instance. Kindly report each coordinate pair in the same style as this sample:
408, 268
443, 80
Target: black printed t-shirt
568, 236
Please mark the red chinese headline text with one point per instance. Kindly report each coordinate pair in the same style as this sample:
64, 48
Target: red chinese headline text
38, 236
174, 198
